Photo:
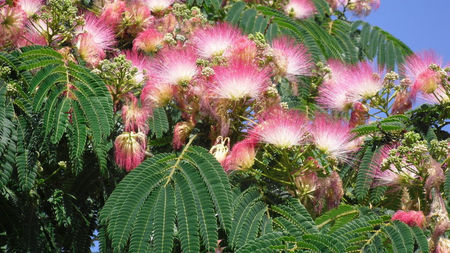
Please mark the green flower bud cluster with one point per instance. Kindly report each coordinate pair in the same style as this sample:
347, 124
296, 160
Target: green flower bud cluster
439, 149
61, 18
120, 74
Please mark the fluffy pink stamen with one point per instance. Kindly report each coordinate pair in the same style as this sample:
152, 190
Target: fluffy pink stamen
100, 31
300, 9
239, 80
135, 117
141, 62
30, 7
364, 82
291, 57
242, 156
281, 128
148, 41
216, 40
112, 13
174, 66
332, 136
130, 149
411, 218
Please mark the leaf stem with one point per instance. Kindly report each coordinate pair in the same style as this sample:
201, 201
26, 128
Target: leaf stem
174, 167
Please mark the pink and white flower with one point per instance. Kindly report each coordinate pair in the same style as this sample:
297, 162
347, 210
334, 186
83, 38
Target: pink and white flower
244, 49
158, 5
216, 40
135, 117
130, 149
94, 38
333, 137
363, 7
137, 17
30, 7
292, 58
175, 66
300, 9
391, 176
31, 37
101, 32
281, 128
238, 80
90, 51
149, 41
334, 91
12, 22
242, 155
157, 94
180, 133
112, 13
364, 82
141, 62
425, 80
335, 4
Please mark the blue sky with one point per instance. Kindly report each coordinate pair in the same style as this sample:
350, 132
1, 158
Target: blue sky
420, 24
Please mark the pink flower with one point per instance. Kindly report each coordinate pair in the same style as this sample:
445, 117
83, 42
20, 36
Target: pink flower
244, 49
141, 62
364, 82
292, 59
157, 94
12, 22
363, 7
425, 80
391, 176
443, 245
94, 38
158, 5
334, 91
136, 18
411, 218
102, 34
130, 149
112, 13
337, 3
239, 80
333, 137
174, 66
359, 115
217, 40
180, 132
90, 51
402, 103
242, 156
135, 117
31, 37
281, 128
149, 41
300, 9
30, 7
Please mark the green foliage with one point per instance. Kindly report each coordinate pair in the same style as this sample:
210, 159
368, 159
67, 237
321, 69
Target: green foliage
8, 138
344, 229
365, 174
374, 42
324, 37
62, 91
166, 191
390, 124
248, 211
159, 123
